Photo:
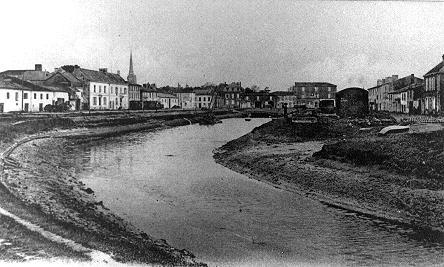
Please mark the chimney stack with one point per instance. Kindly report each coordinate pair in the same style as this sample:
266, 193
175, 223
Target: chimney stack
104, 70
118, 72
38, 67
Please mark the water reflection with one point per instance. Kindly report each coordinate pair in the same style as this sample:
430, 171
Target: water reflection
168, 184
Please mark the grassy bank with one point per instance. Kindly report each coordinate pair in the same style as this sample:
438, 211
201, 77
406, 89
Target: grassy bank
345, 170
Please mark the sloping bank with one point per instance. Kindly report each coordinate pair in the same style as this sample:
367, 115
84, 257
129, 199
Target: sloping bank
343, 173
36, 170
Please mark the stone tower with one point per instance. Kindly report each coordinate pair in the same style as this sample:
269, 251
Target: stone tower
131, 77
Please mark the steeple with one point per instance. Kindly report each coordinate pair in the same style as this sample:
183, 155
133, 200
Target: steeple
131, 77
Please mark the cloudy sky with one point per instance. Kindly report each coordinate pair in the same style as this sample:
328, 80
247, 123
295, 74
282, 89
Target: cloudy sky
268, 43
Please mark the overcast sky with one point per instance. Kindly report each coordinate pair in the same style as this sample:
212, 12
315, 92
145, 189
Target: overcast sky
268, 43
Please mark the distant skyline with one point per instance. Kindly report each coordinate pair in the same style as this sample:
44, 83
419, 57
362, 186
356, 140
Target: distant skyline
266, 43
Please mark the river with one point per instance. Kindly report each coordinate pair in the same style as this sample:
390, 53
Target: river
168, 184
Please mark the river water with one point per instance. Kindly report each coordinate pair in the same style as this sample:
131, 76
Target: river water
168, 184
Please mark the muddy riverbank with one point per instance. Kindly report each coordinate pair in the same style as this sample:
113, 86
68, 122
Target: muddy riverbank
284, 157
39, 187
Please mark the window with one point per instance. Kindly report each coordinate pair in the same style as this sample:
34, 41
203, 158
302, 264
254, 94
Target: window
16, 96
7, 95
329, 89
303, 89
47, 96
41, 96
104, 100
94, 101
200, 99
25, 95
94, 88
100, 88
104, 89
35, 96
124, 90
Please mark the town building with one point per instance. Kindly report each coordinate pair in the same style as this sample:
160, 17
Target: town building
311, 93
203, 98
433, 97
66, 81
231, 95
19, 95
284, 97
186, 98
102, 89
135, 96
259, 99
168, 100
35, 75
379, 97
406, 93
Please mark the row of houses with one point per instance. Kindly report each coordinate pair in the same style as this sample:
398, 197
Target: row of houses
84, 89
410, 94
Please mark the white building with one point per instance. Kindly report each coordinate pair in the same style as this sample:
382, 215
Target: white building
103, 90
203, 98
17, 95
168, 100
186, 99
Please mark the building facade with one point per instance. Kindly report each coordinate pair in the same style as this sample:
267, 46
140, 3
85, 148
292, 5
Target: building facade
186, 98
168, 100
280, 98
311, 93
22, 96
380, 98
103, 90
433, 97
203, 98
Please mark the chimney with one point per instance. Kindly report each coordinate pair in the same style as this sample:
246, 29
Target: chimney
104, 70
412, 78
118, 72
38, 67
443, 57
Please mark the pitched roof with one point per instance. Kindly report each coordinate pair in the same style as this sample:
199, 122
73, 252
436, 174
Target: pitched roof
7, 83
100, 76
436, 69
313, 84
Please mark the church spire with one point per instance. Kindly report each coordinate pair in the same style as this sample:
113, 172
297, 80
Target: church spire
131, 77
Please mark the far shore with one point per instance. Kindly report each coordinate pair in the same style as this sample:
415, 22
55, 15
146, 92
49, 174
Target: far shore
286, 160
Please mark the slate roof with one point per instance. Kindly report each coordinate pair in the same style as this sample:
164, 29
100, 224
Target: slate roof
100, 76
436, 69
7, 83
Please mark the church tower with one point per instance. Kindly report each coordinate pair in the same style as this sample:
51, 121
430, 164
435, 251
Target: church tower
131, 77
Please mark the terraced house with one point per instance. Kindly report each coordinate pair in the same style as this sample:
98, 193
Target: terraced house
433, 97
311, 93
102, 89
18, 95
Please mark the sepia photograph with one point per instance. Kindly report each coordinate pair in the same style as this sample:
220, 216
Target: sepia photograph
221, 133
